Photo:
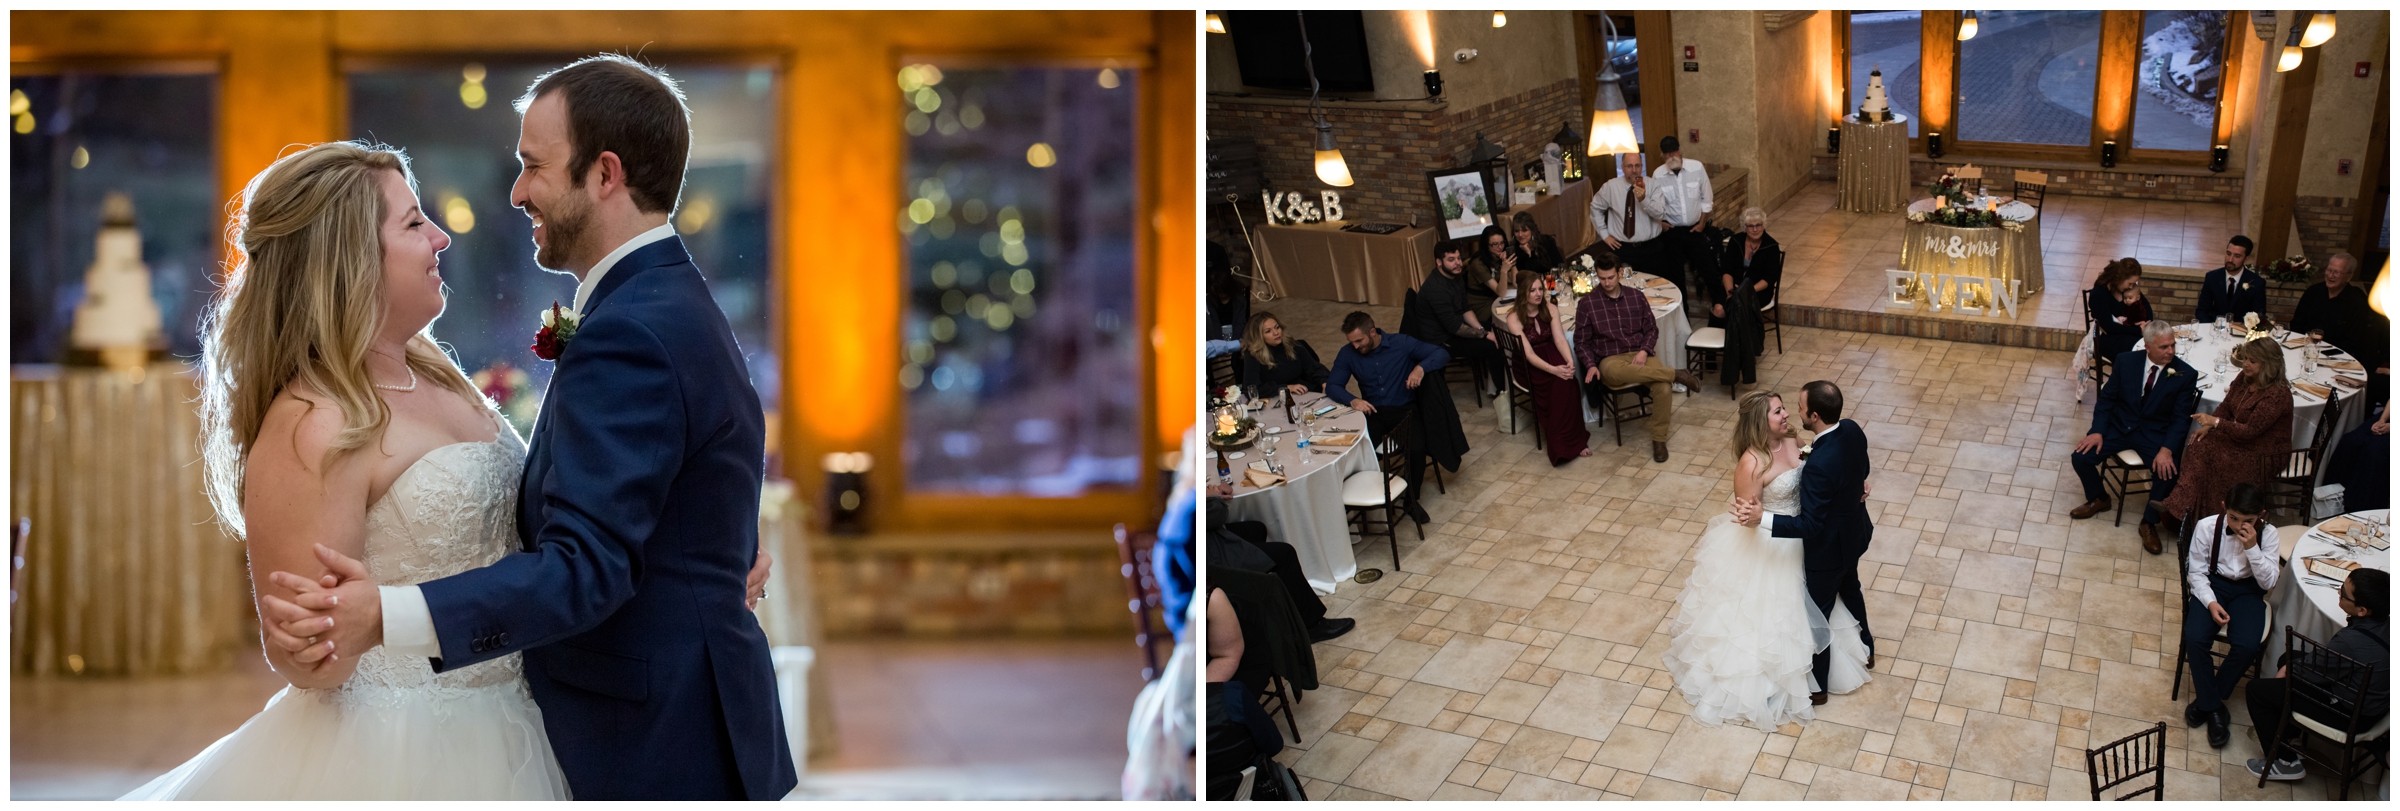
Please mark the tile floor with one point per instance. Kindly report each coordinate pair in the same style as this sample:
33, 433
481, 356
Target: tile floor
1517, 655
996, 719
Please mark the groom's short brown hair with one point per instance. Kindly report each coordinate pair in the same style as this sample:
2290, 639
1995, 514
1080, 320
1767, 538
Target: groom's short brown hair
615, 104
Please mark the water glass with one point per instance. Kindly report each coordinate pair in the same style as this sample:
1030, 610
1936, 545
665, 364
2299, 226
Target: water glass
1267, 443
2221, 325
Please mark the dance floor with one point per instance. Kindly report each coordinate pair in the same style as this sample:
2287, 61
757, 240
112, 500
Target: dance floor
1000, 719
1516, 654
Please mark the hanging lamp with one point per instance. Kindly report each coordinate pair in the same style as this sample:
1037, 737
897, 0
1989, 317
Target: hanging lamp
1612, 125
1330, 166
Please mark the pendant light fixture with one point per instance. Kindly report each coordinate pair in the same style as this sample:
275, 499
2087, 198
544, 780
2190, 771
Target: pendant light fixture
2291, 45
1966, 26
1612, 127
1216, 24
2320, 29
1499, 19
1330, 166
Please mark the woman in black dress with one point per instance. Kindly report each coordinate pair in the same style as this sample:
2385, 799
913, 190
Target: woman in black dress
1749, 259
1489, 271
1277, 361
1536, 251
2118, 309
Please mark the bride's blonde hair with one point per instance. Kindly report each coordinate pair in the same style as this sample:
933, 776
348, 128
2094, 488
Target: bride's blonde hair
302, 300
1751, 431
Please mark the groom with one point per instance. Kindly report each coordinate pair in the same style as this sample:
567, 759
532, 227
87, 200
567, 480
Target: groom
638, 508
1833, 526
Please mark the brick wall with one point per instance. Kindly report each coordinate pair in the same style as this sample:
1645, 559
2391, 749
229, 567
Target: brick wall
968, 588
2174, 293
1389, 148
2210, 188
2324, 226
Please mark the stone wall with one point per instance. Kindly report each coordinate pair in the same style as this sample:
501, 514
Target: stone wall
2174, 293
2194, 188
2324, 226
970, 585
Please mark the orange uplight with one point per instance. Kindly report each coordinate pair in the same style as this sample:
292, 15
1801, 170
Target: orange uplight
840, 385
1419, 25
2384, 298
1174, 328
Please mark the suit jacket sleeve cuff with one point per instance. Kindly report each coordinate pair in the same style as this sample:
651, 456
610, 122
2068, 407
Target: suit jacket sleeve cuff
407, 623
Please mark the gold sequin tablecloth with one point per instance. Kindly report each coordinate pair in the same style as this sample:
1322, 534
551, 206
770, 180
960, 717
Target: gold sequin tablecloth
126, 571
1999, 253
1873, 167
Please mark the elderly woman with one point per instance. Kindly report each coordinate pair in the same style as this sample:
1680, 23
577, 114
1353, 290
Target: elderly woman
2247, 439
2118, 308
1277, 361
1750, 266
1535, 251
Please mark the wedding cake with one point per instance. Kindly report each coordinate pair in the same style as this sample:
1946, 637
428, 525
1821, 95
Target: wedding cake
1878, 107
117, 319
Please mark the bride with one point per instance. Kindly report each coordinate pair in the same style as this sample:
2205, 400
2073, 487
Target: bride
1745, 629
331, 416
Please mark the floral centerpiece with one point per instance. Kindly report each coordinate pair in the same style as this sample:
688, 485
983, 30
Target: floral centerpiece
2293, 269
1954, 206
2256, 326
1584, 280
1232, 428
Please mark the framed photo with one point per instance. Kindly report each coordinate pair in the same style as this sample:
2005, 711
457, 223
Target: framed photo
1469, 198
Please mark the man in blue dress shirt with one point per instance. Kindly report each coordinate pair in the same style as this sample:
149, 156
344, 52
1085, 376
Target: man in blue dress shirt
1388, 367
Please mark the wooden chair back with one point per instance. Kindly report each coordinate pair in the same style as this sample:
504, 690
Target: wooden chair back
2128, 759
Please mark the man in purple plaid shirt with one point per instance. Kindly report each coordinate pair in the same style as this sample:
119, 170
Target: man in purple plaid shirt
1616, 341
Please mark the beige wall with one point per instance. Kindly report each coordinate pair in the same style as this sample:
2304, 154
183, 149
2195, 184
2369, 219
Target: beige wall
1760, 100
1536, 49
1721, 100
2340, 114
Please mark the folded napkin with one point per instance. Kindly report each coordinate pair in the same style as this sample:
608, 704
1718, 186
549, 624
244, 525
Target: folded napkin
1661, 301
2337, 525
2335, 570
1656, 282
2344, 365
1334, 440
2312, 389
2349, 382
2295, 342
1262, 478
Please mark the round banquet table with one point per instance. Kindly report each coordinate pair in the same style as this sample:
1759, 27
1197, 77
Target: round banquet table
2202, 346
1306, 510
2315, 611
1666, 304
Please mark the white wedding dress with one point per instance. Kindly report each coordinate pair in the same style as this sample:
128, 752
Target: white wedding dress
396, 730
1745, 629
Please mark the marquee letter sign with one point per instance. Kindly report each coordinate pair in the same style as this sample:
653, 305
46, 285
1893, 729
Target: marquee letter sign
1291, 208
1963, 295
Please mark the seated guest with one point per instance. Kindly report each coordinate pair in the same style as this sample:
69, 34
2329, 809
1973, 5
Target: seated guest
1542, 366
1277, 361
1535, 250
1616, 340
1443, 317
2365, 637
1751, 259
2233, 290
2247, 439
1388, 368
2231, 565
2118, 308
2338, 310
2362, 465
1489, 267
2147, 408
1244, 545
1628, 229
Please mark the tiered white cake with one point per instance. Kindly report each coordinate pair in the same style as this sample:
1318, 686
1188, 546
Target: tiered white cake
1878, 107
117, 318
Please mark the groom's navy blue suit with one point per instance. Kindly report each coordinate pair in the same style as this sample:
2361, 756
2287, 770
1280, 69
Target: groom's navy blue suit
639, 518
1833, 527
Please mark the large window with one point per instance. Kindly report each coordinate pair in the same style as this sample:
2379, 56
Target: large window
2028, 77
460, 130
78, 141
1020, 360
1886, 40
2179, 79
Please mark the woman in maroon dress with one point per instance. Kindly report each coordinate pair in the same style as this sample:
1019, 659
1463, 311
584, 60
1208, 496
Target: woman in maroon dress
2247, 439
1541, 364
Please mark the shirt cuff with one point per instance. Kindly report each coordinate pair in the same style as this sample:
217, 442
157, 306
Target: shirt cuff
408, 623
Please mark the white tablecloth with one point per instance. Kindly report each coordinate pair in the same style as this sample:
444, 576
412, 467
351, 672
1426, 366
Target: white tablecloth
1673, 329
1306, 511
2209, 348
2315, 611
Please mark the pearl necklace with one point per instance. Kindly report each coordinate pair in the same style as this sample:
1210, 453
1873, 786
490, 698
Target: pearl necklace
412, 382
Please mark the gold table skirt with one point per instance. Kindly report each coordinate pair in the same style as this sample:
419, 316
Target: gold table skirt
126, 570
1873, 168
1998, 253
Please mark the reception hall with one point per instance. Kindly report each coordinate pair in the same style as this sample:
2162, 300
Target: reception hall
952, 255
2049, 349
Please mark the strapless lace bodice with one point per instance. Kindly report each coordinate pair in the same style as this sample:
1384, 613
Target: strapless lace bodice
453, 510
1782, 496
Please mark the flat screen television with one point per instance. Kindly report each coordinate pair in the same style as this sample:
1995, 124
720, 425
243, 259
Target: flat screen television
1266, 46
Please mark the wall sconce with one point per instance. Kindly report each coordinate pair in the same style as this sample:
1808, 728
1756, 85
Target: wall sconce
2320, 29
2291, 46
2108, 154
1433, 84
846, 492
1499, 19
1933, 144
1833, 140
2217, 156
1216, 24
1966, 26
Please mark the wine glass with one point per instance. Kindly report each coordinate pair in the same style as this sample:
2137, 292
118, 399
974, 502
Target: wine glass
2221, 325
1308, 423
1267, 443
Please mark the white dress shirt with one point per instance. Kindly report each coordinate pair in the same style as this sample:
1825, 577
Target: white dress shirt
2261, 563
1683, 198
407, 622
1608, 213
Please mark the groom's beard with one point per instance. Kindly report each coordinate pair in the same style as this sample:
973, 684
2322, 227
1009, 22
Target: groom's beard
568, 225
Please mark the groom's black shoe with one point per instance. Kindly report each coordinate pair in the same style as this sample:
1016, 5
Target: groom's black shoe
1870, 660
1331, 628
2220, 727
1816, 698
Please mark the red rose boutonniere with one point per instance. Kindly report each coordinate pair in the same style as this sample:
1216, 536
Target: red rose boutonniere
558, 327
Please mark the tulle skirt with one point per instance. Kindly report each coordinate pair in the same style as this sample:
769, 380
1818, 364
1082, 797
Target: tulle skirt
1745, 632
432, 743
